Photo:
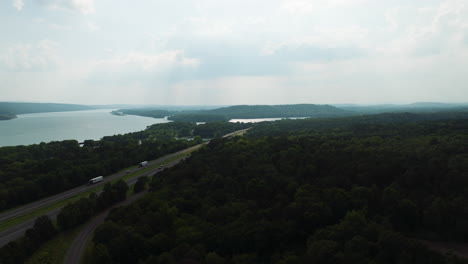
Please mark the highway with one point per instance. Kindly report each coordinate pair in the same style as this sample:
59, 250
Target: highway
15, 232
78, 245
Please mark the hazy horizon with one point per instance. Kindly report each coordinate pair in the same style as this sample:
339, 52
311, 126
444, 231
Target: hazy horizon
227, 105
211, 52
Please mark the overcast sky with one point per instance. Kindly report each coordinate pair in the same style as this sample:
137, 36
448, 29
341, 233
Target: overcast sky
233, 52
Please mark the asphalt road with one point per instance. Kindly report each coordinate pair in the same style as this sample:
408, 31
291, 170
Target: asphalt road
15, 232
78, 245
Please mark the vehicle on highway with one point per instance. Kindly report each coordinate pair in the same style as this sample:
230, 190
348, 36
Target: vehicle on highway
143, 163
95, 180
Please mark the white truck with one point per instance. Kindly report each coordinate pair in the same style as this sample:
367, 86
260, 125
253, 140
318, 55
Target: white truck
143, 163
95, 180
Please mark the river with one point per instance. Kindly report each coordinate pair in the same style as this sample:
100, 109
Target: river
80, 125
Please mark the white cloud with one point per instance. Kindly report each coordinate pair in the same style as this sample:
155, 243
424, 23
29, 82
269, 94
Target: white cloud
151, 62
308, 6
433, 30
18, 4
60, 26
92, 26
232, 90
324, 37
31, 57
82, 6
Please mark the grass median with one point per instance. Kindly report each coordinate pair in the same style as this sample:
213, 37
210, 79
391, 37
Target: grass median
44, 210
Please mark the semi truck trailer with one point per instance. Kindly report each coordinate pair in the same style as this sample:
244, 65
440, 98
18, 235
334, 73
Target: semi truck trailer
95, 180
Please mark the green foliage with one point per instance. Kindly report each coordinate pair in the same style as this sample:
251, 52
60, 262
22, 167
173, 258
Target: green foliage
32, 172
332, 193
259, 111
25, 108
243, 111
78, 212
140, 184
145, 112
17, 251
198, 117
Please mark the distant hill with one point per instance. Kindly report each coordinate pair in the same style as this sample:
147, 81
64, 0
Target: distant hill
143, 112
6, 115
420, 107
9, 110
261, 111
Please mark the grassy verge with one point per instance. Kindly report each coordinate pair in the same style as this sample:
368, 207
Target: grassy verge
88, 252
54, 250
42, 211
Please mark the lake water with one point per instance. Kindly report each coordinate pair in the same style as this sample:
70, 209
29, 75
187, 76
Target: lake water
257, 120
80, 125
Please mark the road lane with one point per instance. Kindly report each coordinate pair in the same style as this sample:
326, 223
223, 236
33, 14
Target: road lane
15, 232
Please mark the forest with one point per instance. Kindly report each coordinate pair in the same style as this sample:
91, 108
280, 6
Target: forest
344, 190
10, 109
29, 173
70, 216
244, 111
144, 112
6, 115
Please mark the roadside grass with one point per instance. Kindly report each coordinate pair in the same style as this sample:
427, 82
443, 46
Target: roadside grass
54, 250
43, 210
88, 252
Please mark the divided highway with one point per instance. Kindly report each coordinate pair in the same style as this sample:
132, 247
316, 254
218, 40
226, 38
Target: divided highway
78, 245
15, 232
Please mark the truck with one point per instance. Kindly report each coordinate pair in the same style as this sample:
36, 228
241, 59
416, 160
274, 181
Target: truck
143, 163
95, 180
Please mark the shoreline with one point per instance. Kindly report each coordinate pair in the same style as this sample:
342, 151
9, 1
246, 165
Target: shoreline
6, 117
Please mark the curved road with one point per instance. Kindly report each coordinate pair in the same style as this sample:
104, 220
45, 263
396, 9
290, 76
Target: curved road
15, 232
78, 245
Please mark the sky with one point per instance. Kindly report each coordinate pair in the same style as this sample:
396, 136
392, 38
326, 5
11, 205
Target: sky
220, 52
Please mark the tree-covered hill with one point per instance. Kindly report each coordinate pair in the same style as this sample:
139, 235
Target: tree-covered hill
11, 109
5, 114
144, 112
271, 111
420, 107
28, 173
303, 194
244, 111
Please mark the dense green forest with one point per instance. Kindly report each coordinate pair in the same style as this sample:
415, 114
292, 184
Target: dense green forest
413, 108
70, 216
342, 190
5, 114
265, 111
31, 172
144, 112
244, 111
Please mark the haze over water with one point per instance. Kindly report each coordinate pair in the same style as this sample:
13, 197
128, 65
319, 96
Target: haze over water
80, 125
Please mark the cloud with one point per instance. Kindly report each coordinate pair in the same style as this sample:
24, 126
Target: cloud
150, 62
18, 4
92, 26
308, 6
30, 57
320, 37
429, 32
83, 6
